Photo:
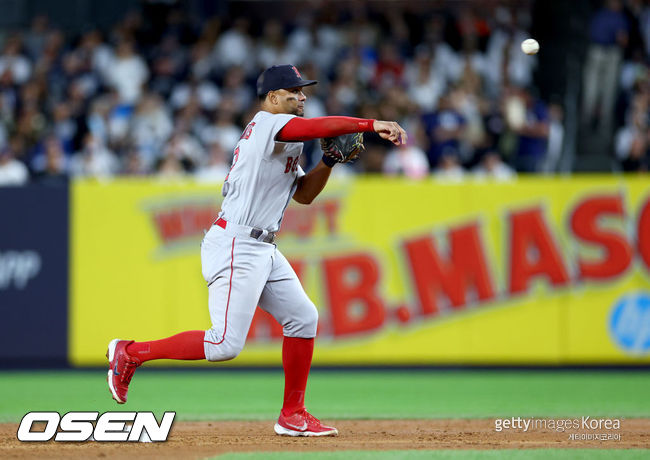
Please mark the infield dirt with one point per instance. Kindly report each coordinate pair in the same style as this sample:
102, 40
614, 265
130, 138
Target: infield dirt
204, 439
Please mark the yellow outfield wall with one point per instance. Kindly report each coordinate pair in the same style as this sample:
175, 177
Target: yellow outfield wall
534, 271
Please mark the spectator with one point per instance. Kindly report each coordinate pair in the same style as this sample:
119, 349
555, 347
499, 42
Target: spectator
36, 38
13, 61
52, 165
633, 71
97, 119
273, 47
200, 61
236, 89
94, 160
507, 64
217, 167
633, 13
444, 57
12, 171
644, 27
127, 72
49, 64
223, 130
492, 166
493, 122
608, 34
84, 81
633, 139
169, 61
3, 135
132, 164
18, 148
408, 160
234, 47
389, 70
444, 130
528, 118
31, 125
372, 160
97, 53
185, 148
299, 39
191, 118
326, 40
555, 139
204, 92
425, 85
119, 123
468, 67
150, 127
8, 98
449, 168
466, 100
344, 90
170, 167
64, 127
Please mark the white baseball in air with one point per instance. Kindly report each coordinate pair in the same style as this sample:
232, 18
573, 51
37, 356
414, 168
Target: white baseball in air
530, 46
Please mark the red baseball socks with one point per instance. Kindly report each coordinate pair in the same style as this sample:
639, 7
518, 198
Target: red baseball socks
186, 345
296, 360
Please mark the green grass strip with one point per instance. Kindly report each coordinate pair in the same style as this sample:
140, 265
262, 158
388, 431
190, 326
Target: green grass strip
257, 395
528, 454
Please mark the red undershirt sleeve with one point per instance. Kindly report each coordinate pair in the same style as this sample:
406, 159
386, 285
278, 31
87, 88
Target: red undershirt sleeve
304, 129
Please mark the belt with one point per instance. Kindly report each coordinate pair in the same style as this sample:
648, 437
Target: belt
254, 232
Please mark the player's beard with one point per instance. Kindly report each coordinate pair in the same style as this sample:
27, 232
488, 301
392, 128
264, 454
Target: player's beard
297, 110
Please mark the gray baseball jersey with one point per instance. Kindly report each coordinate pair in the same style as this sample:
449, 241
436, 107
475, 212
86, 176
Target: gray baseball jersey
262, 179
241, 270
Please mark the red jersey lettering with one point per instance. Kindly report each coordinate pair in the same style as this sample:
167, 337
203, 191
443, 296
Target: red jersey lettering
247, 132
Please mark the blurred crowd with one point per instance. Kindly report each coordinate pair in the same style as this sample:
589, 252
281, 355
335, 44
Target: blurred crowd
171, 97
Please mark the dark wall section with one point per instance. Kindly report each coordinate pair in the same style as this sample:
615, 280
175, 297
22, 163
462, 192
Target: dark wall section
33, 276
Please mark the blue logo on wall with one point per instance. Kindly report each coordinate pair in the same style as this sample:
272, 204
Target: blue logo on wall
629, 323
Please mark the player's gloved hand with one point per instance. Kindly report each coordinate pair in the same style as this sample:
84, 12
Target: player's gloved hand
342, 149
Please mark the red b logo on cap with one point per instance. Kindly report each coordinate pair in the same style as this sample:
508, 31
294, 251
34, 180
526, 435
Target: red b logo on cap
296, 70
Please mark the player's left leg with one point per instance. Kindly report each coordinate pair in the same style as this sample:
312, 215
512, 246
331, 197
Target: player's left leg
285, 299
125, 356
236, 270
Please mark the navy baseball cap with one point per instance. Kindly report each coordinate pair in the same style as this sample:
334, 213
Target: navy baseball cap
281, 77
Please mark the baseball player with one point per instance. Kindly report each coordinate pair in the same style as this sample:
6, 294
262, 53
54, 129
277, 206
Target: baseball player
240, 262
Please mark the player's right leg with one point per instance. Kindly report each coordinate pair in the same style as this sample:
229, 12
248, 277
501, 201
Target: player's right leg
285, 299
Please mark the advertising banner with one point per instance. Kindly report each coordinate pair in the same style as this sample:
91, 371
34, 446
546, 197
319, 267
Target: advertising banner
33, 275
534, 271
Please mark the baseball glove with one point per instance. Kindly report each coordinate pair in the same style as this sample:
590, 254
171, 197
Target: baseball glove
343, 149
